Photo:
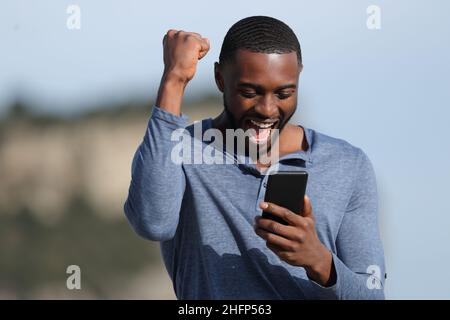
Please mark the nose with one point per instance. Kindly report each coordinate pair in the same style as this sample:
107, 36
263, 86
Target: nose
267, 107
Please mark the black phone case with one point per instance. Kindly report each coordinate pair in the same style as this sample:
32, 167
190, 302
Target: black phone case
286, 189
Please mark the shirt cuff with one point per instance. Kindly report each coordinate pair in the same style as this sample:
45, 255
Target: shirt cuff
331, 292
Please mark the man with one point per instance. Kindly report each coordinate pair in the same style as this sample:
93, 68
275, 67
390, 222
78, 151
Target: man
207, 218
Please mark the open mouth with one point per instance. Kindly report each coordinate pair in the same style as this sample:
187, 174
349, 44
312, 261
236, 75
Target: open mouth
261, 129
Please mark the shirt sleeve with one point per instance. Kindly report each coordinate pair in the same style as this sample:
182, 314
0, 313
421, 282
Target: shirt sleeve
359, 260
157, 183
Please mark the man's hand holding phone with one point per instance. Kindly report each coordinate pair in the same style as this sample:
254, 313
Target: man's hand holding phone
297, 242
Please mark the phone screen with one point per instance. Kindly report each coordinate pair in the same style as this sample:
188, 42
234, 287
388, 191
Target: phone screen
286, 189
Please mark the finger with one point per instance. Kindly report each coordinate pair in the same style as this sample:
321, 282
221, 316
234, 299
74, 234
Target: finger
275, 240
197, 35
288, 232
277, 250
287, 215
204, 48
282, 254
203, 42
169, 33
307, 208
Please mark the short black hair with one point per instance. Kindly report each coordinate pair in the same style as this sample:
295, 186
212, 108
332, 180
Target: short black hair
260, 34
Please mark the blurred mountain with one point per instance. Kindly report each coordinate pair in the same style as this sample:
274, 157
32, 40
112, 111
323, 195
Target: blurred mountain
62, 188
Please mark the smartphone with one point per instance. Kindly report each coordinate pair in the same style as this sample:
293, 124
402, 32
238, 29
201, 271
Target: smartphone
286, 189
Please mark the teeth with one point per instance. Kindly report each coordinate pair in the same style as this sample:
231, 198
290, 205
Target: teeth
262, 125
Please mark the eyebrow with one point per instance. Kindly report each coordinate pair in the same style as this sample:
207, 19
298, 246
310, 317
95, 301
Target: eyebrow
258, 87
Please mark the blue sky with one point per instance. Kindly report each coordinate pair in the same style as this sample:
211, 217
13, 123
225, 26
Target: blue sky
386, 91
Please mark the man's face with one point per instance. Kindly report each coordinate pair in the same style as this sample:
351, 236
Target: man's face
259, 90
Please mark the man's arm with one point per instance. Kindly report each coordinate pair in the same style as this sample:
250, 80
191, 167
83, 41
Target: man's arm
158, 183
359, 262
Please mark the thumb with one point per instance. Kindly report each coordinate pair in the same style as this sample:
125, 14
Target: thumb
307, 208
205, 45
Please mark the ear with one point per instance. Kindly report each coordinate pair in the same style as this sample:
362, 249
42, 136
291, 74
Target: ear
218, 76
300, 68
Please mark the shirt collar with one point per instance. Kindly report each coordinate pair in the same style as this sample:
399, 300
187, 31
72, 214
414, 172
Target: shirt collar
302, 154
288, 159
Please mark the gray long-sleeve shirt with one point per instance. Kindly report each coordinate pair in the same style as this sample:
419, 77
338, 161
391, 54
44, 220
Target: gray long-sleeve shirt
203, 216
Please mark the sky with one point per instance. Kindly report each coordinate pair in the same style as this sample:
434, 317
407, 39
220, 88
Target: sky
385, 90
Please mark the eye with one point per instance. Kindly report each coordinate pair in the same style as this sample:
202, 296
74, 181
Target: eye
248, 94
284, 95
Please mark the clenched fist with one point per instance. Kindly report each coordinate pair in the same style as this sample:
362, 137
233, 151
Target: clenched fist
182, 50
